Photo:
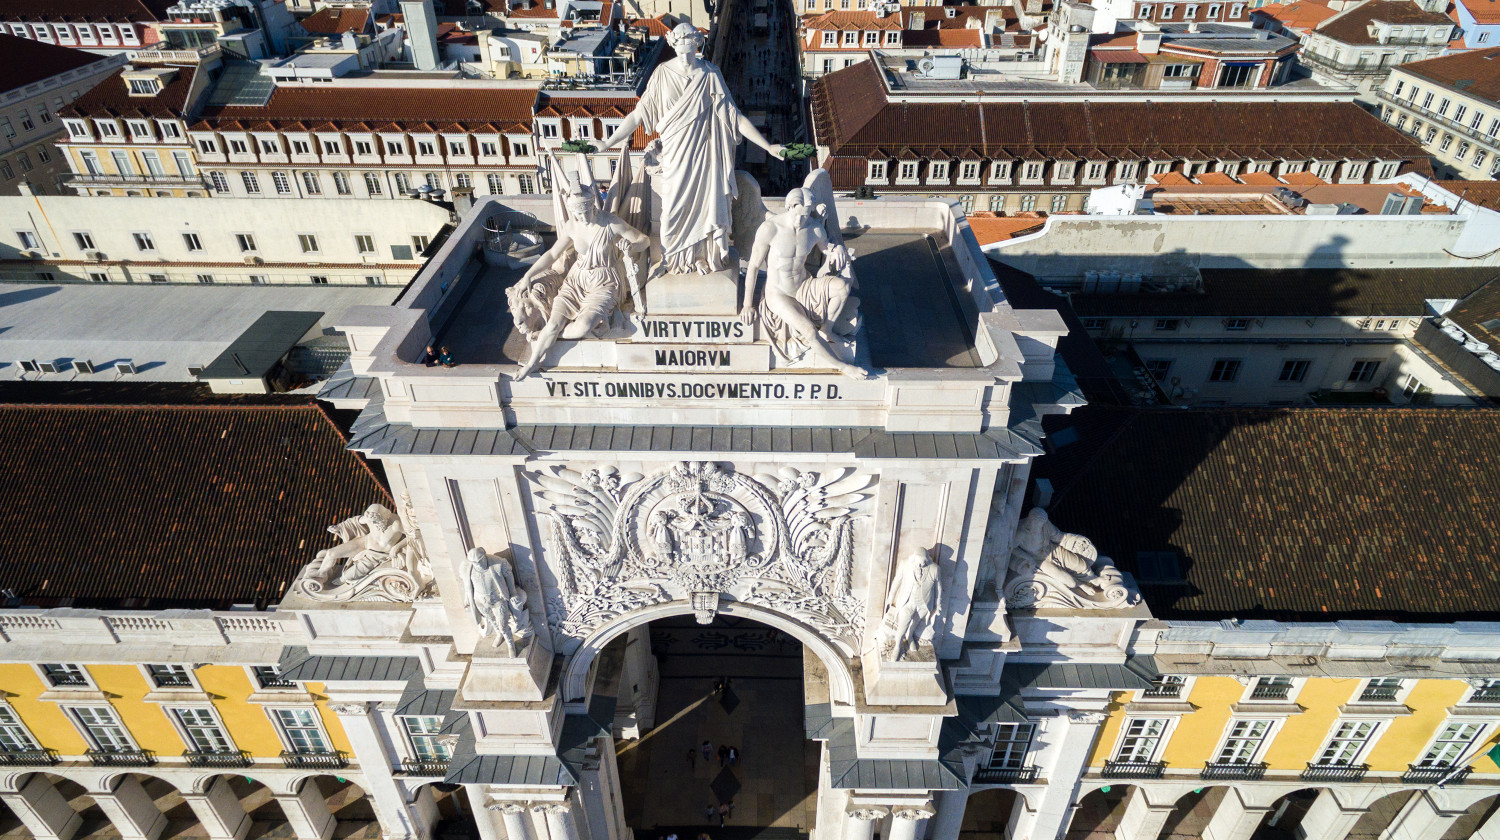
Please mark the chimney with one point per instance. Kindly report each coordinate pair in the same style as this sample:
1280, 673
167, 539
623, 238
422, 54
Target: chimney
421, 31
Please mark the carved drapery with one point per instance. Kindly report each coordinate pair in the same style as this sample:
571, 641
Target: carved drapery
623, 541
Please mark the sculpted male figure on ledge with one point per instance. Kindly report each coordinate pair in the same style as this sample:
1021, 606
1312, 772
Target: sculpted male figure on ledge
688, 105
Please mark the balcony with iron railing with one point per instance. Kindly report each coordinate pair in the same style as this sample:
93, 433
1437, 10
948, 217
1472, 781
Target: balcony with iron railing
1485, 695
1005, 775
28, 758
1335, 772
1219, 770
1348, 68
1446, 123
1134, 769
330, 760
425, 767
1433, 773
121, 758
1379, 694
1163, 691
218, 758
1270, 691
158, 181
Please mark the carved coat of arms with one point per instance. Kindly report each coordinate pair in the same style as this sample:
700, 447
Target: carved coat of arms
620, 542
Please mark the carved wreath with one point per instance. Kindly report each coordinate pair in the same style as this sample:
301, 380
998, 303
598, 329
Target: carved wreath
627, 541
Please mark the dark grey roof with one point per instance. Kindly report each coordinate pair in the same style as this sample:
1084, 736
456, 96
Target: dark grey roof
297, 664
345, 385
848, 770
382, 438
1135, 673
1003, 708
817, 720
417, 699
257, 350
468, 768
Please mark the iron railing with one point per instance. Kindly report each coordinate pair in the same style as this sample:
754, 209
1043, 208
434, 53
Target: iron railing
1335, 772
121, 758
1379, 694
1485, 695
218, 758
1270, 691
1434, 773
1233, 770
1005, 775
1134, 769
425, 767
1161, 690
28, 758
331, 760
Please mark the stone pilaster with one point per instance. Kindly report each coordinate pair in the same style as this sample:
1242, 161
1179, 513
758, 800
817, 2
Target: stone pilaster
307, 812
131, 810
219, 811
43, 810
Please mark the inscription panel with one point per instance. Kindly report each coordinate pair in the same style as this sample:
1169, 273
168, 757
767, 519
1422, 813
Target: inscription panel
709, 358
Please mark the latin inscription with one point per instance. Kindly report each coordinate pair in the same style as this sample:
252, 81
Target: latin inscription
690, 390
693, 330
698, 358
692, 358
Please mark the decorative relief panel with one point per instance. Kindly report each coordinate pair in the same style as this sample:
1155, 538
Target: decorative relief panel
695, 531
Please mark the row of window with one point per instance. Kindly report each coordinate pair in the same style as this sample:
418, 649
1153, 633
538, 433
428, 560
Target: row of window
1462, 114
1190, 11
140, 130
201, 279
375, 182
145, 242
200, 726
125, 165
1243, 324
390, 147
24, 163
1000, 171
1292, 370
86, 33
854, 38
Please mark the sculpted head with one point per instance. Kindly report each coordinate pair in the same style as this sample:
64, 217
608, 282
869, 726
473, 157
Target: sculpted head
799, 203
685, 39
582, 203
377, 516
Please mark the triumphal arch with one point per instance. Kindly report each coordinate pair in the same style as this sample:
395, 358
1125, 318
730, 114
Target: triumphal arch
623, 406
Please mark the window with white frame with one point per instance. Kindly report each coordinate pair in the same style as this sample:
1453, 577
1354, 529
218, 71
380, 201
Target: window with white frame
1379, 689
143, 241
969, 171
246, 241
171, 676
1243, 743
851, 38
364, 243
341, 183
283, 184
424, 736
192, 243
1140, 740
908, 170
102, 728
308, 242
1000, 170
372, 183
938, 171
1012, 743
62, 675
311, 184
830, 38
202, 731
496, 183
1363, 370
301, 731
875, 170
1272, 688
1166, 685
1347, 743
1452, 741
14, 736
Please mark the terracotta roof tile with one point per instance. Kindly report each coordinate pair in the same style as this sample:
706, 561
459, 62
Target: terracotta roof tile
1293, 514
1297, 293
24, 61
332, 21
1474, 72
1484, 12
497, 109
170, 505
1352, 25
85, 11
110, 98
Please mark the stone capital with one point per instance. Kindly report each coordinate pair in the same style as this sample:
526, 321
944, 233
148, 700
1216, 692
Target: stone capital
349, 708
551, 807
1092, 718
868, 814
508, 807
913, 812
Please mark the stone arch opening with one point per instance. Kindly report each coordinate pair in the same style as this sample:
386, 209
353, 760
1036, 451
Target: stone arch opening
1191, 813
578, 669
687, 694
230, 799
48, 804
448, 810
1384, 813
1284, 819
990, 813
1477, 815
346, 802
145, 805
1099, 812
